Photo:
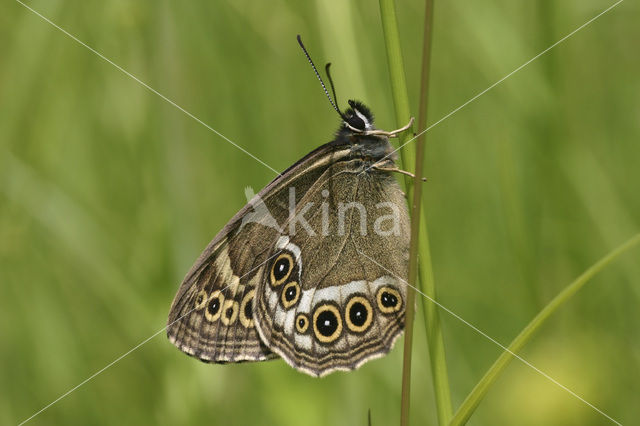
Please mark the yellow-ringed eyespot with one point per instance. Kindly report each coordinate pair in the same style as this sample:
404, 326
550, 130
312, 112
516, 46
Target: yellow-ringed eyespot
214, 307
201, 299
302, 323
246, 309
389, 300
290, 294
327, 323
229, 312
358, 314
281, 269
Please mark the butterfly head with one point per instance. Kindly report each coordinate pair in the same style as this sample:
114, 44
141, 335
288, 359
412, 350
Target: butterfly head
357, 118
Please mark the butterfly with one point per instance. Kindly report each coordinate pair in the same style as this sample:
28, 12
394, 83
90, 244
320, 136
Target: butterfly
313, 268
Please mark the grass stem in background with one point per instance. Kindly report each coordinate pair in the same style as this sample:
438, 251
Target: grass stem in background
419, 236
430, 311
480, 390
401, 104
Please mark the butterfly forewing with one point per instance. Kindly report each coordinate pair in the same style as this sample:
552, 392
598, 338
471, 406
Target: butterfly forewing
211, 317
207, 319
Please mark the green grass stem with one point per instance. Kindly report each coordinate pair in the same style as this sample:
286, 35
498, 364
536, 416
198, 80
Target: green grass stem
430, 310
480, 390
408, 155
413, 155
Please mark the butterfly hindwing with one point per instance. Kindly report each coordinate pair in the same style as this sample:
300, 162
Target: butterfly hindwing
340, 301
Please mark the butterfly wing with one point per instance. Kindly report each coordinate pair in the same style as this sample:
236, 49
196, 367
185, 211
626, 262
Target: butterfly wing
334, 300
211, 317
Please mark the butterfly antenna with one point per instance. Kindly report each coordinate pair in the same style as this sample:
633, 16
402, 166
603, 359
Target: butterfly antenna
333, 88
304, 49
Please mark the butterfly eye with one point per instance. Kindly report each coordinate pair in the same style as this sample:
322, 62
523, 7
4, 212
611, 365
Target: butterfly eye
214, 307
355, 121
302, 323
281, 269
358, 314
327, 324
389, 300
359, 116
290, 294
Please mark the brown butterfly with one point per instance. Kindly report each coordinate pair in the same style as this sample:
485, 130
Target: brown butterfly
312, 268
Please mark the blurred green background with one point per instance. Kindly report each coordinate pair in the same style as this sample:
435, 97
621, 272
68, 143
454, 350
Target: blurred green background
108, 194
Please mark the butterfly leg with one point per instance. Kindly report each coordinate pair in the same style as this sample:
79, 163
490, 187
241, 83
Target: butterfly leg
392, 168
